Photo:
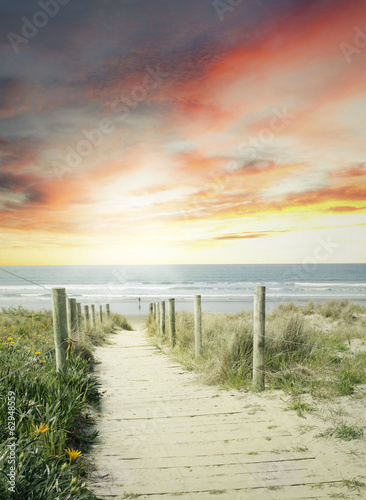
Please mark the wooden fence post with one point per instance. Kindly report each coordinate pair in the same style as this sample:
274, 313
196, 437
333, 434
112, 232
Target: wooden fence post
259, 337
172, 321
86, 315
158, 314
92, 307
71, 315
150, 311
108, 311
59, 326
154, 310
198, 325
162, 317
78, 315
101, 313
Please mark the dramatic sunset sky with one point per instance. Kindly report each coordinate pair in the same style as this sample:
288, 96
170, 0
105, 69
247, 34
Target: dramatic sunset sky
182, 131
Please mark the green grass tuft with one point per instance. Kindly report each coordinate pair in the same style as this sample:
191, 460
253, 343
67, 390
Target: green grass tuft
343, 431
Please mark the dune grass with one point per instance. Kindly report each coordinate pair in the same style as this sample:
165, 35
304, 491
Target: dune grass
45, 421
307, 348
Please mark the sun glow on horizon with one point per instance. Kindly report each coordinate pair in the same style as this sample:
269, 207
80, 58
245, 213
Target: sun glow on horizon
164, 135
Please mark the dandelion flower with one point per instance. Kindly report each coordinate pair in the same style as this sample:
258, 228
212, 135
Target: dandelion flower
9, 338
73, 454
37, 352
42, 361
41, 428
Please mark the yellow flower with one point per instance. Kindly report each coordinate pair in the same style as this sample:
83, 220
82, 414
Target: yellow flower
12, 342
37, 352
41, 428
9, 338
42, 361
73, 454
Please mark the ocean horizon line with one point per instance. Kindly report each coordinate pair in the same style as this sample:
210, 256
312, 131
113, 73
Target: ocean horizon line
196, 264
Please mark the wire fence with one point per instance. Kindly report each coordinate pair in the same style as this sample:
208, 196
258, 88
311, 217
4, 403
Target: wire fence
61, 325
157, 312
44, 353
157, 316
315, 346
34, 360
25, 279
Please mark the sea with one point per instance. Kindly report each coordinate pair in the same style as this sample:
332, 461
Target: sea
223, 288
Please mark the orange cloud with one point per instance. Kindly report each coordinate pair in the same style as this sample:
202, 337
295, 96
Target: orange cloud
259, 234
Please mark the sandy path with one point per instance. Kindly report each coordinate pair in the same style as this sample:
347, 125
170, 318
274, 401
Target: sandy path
164, 435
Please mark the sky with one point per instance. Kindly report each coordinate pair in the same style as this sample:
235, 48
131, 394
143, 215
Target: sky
182, 131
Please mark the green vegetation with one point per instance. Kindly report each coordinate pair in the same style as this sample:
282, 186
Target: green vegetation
307, 348
354, 484
343, 431
48, 413
300, 406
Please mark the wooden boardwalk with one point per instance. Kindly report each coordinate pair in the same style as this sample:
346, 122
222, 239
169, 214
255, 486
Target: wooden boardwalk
164, 435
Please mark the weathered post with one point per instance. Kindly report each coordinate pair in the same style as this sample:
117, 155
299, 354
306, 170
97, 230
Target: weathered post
108, 311
154, 310
162, 317
59, 326
150, 311
86, 315
92, 307
71, 315
78, 316
101, 313
259, 337
157, 314
198, 325
172, 321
